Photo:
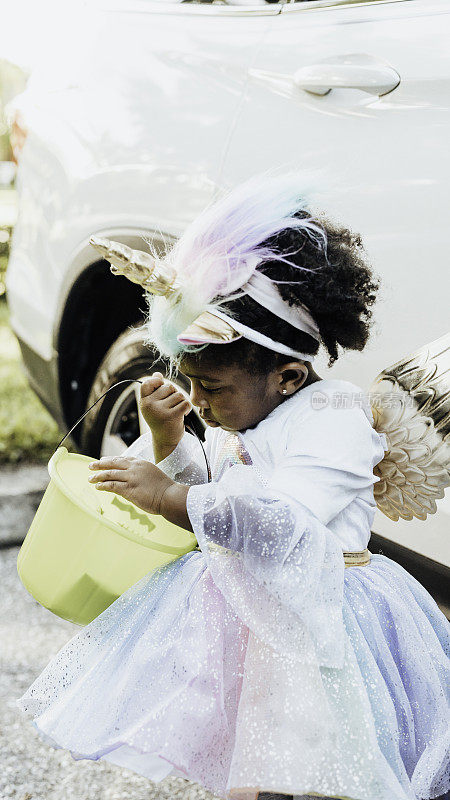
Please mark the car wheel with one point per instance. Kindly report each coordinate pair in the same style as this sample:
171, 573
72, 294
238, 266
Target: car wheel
115, 422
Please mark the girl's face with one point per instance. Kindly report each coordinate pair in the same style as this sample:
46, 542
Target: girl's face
233, 399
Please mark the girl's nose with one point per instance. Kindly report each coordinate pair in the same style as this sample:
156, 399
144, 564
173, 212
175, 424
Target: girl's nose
197, 398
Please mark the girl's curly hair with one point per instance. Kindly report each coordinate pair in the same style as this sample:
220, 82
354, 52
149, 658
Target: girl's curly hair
339, 292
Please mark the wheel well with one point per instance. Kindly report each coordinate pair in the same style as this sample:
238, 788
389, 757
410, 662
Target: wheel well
100, 306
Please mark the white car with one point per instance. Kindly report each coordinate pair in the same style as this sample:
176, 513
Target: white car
155, 107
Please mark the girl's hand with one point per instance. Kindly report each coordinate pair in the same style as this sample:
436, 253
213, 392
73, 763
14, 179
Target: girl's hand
139, 481
164, 408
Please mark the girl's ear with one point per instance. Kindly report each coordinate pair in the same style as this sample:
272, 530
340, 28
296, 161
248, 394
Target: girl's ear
291, 376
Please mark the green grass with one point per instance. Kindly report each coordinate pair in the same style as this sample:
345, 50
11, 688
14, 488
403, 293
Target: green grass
27, 431
5, 241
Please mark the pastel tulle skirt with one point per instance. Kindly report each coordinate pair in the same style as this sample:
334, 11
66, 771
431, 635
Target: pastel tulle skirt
168, 680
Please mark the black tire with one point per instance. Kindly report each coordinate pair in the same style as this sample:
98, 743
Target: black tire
127, 358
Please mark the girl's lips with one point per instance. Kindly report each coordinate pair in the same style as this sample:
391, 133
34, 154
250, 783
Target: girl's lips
215, 424
206, 419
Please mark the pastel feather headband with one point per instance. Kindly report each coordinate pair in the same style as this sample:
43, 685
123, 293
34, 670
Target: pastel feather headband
216, 261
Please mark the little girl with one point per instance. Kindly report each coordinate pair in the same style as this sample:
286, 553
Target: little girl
281, 658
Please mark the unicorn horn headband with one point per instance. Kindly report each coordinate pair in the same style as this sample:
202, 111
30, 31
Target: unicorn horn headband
211, 326
136, 265
216, 261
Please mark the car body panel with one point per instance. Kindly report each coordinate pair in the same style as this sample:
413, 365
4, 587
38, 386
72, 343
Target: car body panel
98, 156
382, 165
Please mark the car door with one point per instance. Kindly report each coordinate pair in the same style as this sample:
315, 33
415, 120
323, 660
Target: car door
361, 93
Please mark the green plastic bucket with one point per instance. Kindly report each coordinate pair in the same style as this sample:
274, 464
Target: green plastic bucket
85, 548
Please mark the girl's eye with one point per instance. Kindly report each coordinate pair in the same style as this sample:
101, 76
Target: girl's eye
210, 391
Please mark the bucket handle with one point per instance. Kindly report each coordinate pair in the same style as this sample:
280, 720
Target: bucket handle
188, 427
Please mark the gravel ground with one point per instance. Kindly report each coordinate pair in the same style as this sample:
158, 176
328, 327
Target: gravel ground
30, 769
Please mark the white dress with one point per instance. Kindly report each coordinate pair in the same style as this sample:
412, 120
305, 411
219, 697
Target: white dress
259, 662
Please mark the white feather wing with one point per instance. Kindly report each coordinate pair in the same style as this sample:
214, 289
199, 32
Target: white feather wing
410, 403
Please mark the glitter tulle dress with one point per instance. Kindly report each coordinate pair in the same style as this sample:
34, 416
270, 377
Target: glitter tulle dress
260, 662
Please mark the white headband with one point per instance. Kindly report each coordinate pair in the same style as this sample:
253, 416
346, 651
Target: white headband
264, 292
259, 338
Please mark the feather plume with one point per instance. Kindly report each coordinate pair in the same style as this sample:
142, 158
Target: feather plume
220, 250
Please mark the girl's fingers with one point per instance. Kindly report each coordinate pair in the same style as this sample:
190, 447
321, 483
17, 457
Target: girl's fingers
156, 379
111, 486
185, 407
108, 475
151, 385
176, 400
106, 462
164, 391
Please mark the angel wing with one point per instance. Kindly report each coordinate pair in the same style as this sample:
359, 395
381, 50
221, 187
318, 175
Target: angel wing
410, 402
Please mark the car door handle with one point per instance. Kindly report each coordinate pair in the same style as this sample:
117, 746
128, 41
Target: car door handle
351, 71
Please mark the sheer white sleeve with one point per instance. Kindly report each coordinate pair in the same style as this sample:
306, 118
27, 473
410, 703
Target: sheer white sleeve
277, 565
185, 464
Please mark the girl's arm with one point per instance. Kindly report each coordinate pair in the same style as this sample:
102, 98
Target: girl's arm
145, 485
177, 453
173, 505
185, 464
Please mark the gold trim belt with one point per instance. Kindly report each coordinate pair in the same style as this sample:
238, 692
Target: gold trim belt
357, 558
